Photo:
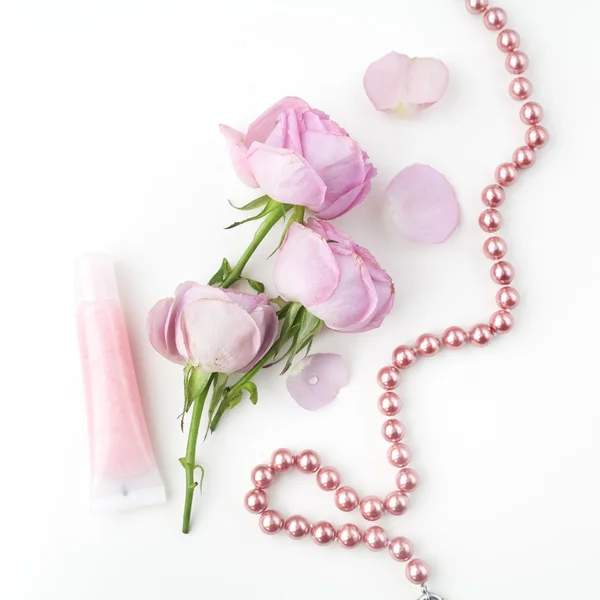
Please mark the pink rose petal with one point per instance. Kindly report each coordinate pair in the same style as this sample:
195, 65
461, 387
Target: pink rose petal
317, 379
260, 129
423, 204
238, 154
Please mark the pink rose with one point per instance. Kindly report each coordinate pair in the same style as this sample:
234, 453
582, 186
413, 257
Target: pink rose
337, 280
213, 329
297, 155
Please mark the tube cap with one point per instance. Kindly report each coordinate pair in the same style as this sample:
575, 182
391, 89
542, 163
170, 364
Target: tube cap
95, 278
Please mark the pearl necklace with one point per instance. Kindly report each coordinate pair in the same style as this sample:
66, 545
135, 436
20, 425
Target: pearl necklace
396, 503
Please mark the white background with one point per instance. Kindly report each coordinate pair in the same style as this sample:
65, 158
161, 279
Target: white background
109, 140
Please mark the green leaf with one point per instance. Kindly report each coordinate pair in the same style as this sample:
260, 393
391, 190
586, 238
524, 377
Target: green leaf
269, 207
257, 286
252, 390
184, 464
253, 204
194, 382
221, 274
219, 390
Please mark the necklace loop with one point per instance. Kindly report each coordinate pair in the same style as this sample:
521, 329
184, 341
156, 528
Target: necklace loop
427, 595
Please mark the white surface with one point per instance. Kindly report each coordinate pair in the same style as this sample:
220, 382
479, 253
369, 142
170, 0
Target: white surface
109, 141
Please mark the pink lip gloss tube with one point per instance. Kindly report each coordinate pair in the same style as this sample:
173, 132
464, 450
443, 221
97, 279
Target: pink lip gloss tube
124, 471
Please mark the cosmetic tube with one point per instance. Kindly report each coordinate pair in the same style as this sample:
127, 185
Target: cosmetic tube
123, 467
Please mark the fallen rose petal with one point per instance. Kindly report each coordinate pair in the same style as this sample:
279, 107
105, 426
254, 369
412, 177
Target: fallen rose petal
401, 84
423, 204
317, 379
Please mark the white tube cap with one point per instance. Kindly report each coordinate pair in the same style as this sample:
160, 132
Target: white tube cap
95, 278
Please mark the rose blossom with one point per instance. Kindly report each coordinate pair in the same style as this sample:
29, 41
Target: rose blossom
213, 329
298, 155
337, 280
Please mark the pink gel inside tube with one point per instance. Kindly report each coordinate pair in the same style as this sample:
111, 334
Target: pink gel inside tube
124, 471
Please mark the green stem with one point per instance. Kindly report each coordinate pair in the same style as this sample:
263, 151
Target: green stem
189, 462
266, 226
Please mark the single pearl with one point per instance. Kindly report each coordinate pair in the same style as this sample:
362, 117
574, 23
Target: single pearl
407, 480
397, 503
506, 174
517, 63
375, 538
349, 536
532, 113
508, 40
476, 6
493, 196
495, 247
403, 357
389, 404
417, 571
490, 220
401, 549
297, 527
520, 88
427, 345
282, 460
346, 499
480, 335
388, 378
371, 508
256, 501
495, 18
322, 533
502, 272
271, 522
262, 476
502, 321
507, 298
328, 479
399, 455
524, 157
308, 462
392, 431
537, 137
454, 338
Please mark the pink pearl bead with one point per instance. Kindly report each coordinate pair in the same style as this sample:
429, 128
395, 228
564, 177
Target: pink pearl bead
407, 480
417, 571
401, 549
506, 174
493, 196
323, 533
388, 378
271, 522
480, 335
495, 18
520, 88
297, 527
502, 272
389, 404
537, 137
508, 40
346, 499
349, 536
262, 476
328, 479
256, 501
495, 248
392, 431
454, 338
502, 321
397, 503
376, 539
282, 460
517, 63
476, 6
399, 455
524, 157
490, 220
404, 357
308, 462
371, 508
427, 345
532, 113
507, 298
